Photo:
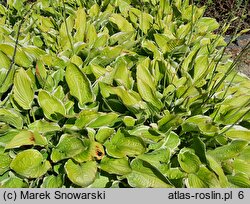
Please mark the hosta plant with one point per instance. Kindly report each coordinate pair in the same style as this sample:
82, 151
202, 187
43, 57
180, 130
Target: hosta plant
119, 93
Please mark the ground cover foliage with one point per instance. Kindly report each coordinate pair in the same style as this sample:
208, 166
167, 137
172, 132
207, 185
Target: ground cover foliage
119, 93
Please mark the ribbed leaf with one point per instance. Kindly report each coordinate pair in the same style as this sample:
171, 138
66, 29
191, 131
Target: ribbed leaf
82, 174
30, 163
11, 117
79, 85
26, 138
144, 175
21, 58
23, 89
52, 107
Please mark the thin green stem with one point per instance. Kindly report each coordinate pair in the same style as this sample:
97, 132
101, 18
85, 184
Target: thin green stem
66, 26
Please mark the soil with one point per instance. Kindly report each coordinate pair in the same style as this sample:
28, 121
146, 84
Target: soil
234, 50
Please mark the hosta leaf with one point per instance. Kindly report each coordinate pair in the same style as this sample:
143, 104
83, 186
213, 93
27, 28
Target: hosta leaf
201, 67
23, 90
206, 24
123, 75
228, 151
193, 181
240, 180
237, 132
103, 134
100, 182
241, 166
11, 117
144, 175
30, 163
67, 147
82, 174
26, 138
7, 137
145, 134
158, 158
5, 161
121, 22
91, 34
21, 58
52, 107
120, 146
85, 117
129, 121
104, 120
80, 25
201, 123
34, 51
216, 167
115, 166
203, 179
146, 84
79, 85
6, 80
175, 173
43, 126
93, 150
52, 181
171, 141
188, 161
245, 154
64, 29
13, 182
4, 60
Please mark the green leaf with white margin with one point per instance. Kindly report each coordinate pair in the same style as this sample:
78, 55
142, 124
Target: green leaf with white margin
203, 179
79, 85
237, 132
100, 182
43, 126
121, 22
120, 146
23, 90
11, 117
82, 174
201, 68
67, 147
13, 182
245, 154
6, 80
103, 134
26, 137
5, 161
21, 57
4, 60
115, 166
52, 181
158, 158
30, 163
206, 24
52, 107
188, 161
193, 181
146, 84
240, 180
93, 150
145, 134
80, 25
143, 175
241, 166
216, 167
200, 123
104, 119
228, 151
